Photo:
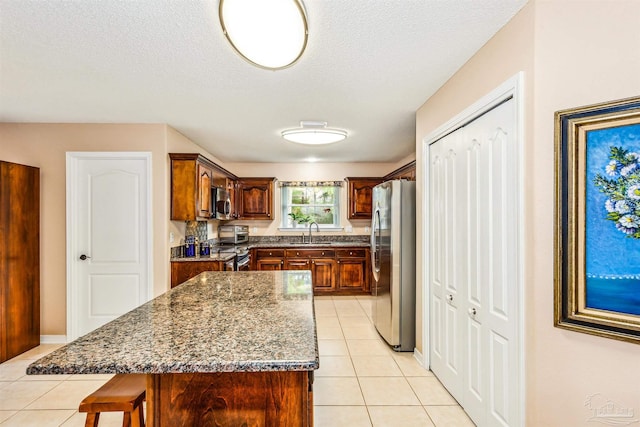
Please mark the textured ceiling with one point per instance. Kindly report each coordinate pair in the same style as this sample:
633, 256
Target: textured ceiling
368, 67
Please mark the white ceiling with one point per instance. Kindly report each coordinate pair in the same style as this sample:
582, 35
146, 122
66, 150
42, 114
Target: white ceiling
369, 65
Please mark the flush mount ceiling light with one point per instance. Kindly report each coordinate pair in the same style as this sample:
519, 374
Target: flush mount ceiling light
270, 34
314, 133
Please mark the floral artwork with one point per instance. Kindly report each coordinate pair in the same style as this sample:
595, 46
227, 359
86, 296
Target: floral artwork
622, 187
613, 219
597, 245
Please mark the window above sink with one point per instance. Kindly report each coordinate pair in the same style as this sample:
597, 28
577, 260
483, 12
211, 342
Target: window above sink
305, 202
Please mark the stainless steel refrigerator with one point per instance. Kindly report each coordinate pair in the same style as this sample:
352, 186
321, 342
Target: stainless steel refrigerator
393, 260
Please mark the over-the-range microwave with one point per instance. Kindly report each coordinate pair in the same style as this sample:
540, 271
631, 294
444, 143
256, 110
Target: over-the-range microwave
221, 203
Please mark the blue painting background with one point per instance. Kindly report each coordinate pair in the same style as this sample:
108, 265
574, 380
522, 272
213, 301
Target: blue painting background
610, 255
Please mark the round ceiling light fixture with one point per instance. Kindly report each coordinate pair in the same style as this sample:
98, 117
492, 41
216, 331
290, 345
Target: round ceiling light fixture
314, 133
270, 34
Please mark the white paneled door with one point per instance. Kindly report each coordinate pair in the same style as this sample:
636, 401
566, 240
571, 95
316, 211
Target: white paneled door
473, 225
108, 237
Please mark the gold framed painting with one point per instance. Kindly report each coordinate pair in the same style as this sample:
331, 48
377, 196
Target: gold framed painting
597, 235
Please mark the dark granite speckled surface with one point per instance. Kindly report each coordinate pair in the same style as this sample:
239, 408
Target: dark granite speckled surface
216, 322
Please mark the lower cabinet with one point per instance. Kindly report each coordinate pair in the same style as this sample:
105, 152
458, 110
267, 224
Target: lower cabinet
353, 269
342, 271
181, 271
268, 259
323, 273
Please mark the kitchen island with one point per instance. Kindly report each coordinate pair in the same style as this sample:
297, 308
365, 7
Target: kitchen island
223, 348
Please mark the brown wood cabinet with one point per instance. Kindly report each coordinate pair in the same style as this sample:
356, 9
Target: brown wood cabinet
255, 198
268, 259
407, 172
338, 271
193, 175
320, 261
181, 271
359, 196
353, 269
19, 259
276, 398
191, 181
323, 273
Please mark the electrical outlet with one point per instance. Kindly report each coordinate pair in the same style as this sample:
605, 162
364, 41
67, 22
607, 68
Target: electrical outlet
171, 237
348, 229
254, 230
367, 229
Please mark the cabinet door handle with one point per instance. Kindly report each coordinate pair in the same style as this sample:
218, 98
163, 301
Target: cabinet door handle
350, 253
313, 262
322, 253
269, 253
338, 262
282, 262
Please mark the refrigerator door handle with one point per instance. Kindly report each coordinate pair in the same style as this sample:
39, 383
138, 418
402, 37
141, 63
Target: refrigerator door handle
375, 244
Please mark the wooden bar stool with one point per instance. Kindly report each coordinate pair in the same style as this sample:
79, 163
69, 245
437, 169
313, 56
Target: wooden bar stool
123, 392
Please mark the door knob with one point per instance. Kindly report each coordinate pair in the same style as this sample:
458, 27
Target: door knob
450, 298
84, 257
472, 311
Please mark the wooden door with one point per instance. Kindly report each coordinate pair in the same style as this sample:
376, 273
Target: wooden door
181, 271
269, 264
19, 259
297, 264
323, 274
360, 192
255, 198
352, 273
109, 239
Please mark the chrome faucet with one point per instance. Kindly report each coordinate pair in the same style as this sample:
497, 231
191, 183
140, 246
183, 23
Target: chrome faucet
317, 229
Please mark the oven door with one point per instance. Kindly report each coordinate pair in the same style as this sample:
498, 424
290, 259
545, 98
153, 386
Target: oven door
243, 263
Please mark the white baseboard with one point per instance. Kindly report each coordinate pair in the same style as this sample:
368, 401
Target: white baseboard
418, 356
53, 339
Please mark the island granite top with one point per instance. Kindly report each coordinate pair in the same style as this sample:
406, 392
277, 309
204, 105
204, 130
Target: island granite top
215, 322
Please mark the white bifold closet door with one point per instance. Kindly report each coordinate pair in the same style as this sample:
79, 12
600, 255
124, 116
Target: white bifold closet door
473, 222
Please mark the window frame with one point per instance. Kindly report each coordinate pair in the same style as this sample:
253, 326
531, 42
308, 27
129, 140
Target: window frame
286, 190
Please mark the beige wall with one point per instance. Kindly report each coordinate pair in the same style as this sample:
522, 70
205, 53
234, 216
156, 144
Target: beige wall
45, 146
572, 53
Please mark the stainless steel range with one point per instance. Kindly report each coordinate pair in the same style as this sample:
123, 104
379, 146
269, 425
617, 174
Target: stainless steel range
242, 260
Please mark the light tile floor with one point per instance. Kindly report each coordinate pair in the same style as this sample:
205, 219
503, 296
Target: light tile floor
361, 381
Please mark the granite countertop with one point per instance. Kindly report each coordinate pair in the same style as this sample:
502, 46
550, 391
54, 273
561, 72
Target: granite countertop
215, 322
222, 256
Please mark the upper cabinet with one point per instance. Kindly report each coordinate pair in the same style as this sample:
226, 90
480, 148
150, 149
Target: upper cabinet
359, 196
407, 172
255, 198
193, 175
191, 180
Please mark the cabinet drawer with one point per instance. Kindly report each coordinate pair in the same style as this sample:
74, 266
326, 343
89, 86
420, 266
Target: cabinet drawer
310, 253
356, 253
269, 253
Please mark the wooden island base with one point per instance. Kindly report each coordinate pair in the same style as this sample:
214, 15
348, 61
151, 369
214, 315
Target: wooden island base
276, 398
